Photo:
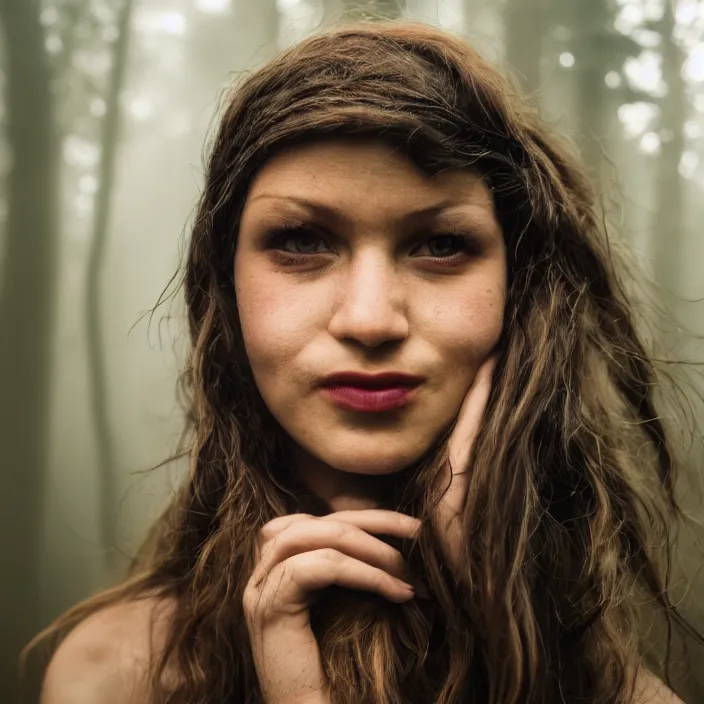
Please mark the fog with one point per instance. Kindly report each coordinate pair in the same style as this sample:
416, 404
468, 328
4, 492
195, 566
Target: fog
105, 108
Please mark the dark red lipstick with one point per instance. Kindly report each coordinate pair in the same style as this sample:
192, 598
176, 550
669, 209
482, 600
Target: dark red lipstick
356, 391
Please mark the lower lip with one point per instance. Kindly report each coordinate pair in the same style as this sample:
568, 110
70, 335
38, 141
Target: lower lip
356, 398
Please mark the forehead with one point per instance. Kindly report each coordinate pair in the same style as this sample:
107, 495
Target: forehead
363, 173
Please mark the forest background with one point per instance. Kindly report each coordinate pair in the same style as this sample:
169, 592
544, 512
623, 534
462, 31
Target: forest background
104, 110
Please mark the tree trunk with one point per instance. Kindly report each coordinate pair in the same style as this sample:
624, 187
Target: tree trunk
62, 64
332, 12
354, 9
391, 9
592, 55
668, 222
338, 12
525, 22
97, 373
27, 324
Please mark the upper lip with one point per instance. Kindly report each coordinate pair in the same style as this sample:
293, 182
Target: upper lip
372, 381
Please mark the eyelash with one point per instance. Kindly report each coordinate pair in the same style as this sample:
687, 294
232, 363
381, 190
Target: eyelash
275, 239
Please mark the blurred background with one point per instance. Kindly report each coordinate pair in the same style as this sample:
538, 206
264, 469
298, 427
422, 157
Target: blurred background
104, 110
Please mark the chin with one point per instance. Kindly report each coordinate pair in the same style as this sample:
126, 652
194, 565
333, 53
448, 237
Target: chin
370, 465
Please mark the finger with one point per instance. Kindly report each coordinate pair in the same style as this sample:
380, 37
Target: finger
470, 416
274, 527
306, 536
453, 478
379, 521
289, 586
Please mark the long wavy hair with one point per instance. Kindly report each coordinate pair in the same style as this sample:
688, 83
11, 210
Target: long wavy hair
570, 510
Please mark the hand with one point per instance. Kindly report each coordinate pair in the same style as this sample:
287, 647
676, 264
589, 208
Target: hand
298, 555
459, 449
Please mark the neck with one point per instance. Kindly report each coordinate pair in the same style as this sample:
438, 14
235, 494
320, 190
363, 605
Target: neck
341, 491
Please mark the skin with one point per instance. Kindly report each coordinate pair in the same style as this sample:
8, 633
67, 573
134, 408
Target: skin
371, 301
301, 554
372, 297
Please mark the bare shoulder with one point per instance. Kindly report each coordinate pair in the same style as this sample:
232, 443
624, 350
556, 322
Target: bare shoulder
652, 690
105, 659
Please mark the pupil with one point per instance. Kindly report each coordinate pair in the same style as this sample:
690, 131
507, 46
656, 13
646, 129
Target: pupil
448, 240
306, 238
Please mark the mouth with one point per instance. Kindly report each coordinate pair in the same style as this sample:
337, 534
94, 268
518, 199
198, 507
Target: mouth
383, 380
370, 400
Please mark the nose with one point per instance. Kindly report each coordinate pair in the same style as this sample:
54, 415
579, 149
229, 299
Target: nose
370, 305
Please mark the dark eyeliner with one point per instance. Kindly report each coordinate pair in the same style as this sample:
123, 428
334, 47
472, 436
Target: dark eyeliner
275, 239
467, 246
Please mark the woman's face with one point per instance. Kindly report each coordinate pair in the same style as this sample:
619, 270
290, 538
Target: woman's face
377, 280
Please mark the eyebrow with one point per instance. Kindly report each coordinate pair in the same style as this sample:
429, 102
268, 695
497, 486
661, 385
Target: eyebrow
334, 213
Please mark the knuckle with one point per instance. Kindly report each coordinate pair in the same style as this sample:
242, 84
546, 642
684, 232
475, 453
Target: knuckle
269, 530
306, 561
337, 531
276, 525
330, 555
303, 536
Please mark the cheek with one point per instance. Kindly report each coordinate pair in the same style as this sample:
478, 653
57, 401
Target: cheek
471, 325
275, 324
